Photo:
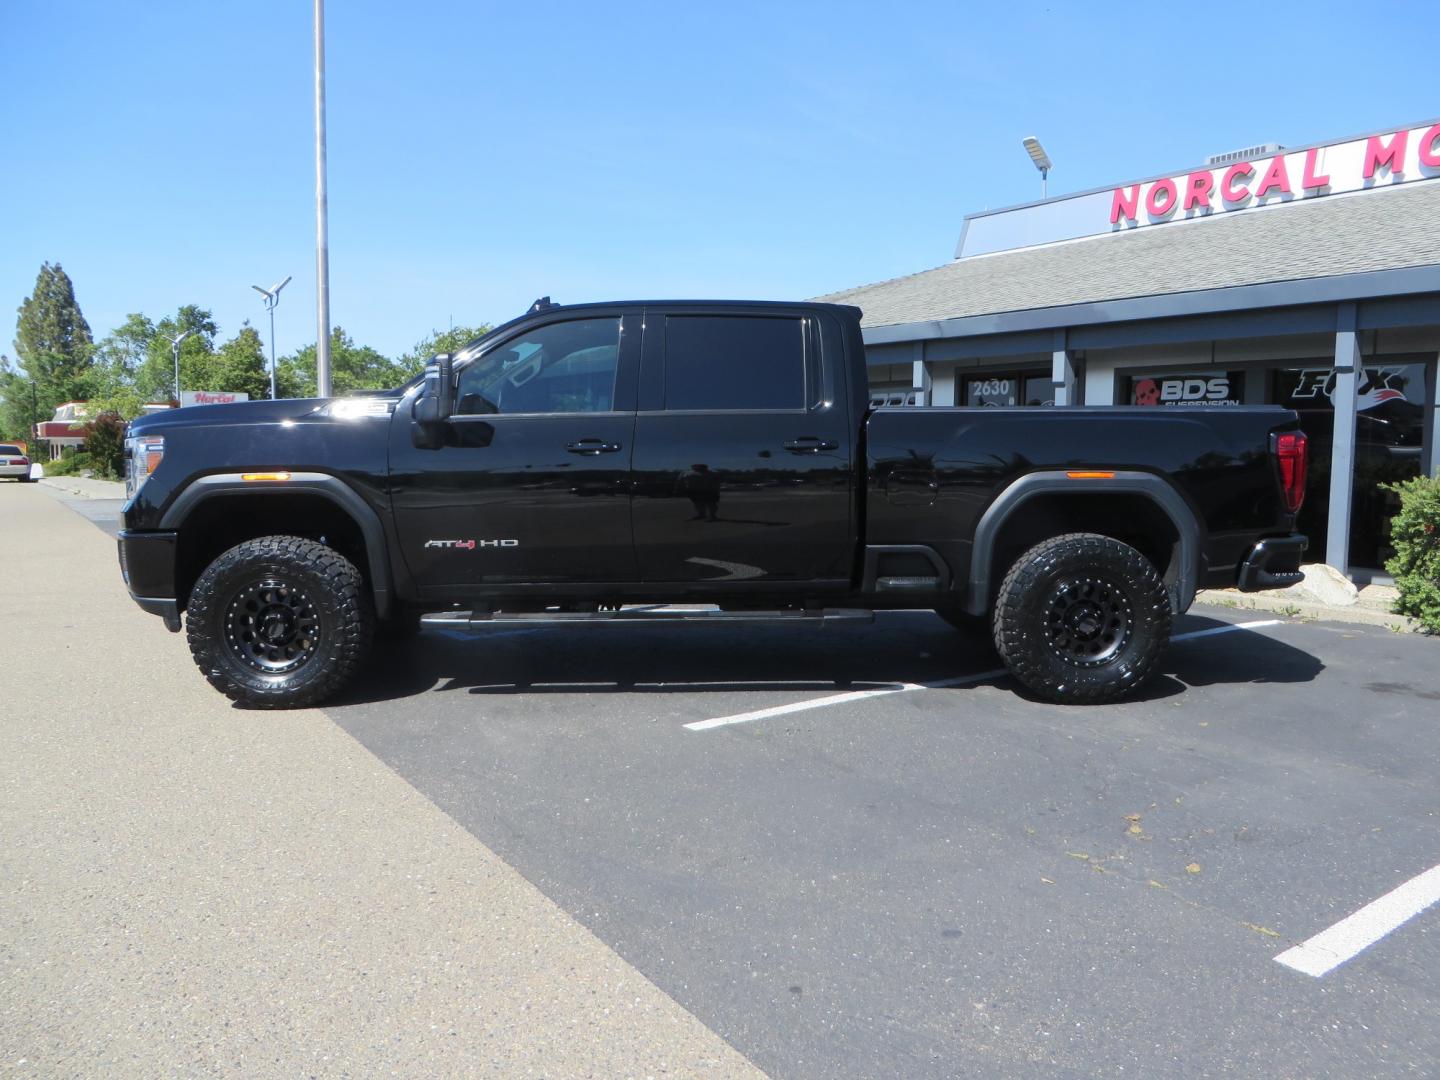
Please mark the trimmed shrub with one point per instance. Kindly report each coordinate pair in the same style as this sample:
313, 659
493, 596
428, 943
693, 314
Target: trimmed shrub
1415, 533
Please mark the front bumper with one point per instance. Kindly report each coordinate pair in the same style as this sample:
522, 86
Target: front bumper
147, 563
1273, 563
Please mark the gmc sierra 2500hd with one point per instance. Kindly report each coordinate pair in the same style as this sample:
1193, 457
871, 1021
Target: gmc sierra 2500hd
584, 458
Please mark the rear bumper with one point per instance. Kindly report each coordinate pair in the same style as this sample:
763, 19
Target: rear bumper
14, 470
147, 563
1273, 563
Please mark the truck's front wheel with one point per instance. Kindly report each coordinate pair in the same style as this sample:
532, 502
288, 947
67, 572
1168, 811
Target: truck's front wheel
1082, 619
279, 622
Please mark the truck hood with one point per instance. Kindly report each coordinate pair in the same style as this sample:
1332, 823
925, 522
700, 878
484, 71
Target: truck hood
240, 412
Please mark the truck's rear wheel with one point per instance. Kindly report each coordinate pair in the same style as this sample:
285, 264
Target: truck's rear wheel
279, 622
1082, 619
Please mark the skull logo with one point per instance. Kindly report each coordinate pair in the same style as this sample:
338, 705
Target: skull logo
1147, 392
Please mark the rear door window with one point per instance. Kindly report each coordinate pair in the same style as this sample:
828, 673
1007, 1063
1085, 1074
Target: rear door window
734, 362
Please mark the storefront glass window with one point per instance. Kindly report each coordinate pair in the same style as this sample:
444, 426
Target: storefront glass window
1187, 389
1008, 389
1389, 442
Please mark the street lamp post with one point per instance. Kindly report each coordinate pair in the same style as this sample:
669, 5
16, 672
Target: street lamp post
1041, 160
322, 227
272, 297
175, 347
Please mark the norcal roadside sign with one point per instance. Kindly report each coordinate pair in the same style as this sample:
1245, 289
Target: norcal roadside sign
211, 397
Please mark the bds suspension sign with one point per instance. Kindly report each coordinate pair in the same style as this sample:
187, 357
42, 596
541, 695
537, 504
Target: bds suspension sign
1374, 161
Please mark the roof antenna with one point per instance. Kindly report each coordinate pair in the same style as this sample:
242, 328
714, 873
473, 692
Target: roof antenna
543, 304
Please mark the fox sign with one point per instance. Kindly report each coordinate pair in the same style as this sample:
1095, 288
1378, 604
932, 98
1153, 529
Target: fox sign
1394, 158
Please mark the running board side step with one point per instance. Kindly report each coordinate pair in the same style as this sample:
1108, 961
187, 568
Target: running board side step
645, 615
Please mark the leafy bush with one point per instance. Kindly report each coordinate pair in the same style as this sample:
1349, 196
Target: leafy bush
69, 465
1415, 533
106, 446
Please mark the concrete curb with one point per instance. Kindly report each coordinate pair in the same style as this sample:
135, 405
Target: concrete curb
1364, 616
85, 487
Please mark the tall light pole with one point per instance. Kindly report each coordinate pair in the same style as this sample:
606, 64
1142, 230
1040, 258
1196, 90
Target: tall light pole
322, 231
272, 297
175, 345
1041, 160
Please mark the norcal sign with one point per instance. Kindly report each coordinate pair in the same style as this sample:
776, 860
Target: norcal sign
1384, 159
1394, 158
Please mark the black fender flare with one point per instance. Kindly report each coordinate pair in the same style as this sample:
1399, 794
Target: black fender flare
300, 483
1159, 491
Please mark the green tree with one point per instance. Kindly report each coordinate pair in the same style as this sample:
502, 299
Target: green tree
239, 365
16, 402
52, 338
119, 358
352, 367
54, 350
438, 341
155, 378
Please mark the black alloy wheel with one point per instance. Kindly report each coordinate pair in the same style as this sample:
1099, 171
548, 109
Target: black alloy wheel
272, 626
1088, 619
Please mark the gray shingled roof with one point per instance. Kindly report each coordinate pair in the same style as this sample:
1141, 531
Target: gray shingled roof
1379, 230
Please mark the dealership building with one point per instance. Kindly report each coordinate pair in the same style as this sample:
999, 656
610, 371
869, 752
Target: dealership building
1307, 277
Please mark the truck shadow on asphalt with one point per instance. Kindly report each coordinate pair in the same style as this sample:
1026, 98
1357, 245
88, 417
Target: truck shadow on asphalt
900, 647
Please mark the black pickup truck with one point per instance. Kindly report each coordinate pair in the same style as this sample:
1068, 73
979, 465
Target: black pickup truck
593, 462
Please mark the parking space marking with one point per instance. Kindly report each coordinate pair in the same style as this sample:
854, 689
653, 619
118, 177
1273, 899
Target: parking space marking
905, 688
1330, 948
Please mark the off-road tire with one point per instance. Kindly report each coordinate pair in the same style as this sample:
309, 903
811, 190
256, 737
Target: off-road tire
315, 586
1082, 619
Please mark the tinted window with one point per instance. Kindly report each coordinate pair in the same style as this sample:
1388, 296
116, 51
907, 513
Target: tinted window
561, 368
734, 362
6, 448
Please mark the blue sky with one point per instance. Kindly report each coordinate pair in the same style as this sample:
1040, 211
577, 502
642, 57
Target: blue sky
484, 154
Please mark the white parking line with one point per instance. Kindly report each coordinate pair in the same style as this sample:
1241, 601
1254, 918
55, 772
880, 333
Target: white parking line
905, 688
1330, 948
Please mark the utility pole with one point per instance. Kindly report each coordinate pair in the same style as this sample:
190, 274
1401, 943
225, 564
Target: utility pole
322, 237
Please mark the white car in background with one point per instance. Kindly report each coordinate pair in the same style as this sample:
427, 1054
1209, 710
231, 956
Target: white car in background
14, 464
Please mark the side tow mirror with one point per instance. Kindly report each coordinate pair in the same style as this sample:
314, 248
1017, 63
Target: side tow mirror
435, 405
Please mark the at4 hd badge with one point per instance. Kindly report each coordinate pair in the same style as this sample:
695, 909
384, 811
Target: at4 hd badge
471, 545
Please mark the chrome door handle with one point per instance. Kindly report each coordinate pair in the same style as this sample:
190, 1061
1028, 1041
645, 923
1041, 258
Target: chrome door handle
591, 447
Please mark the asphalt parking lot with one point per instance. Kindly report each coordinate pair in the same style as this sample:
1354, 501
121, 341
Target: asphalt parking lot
844, 869
958, 880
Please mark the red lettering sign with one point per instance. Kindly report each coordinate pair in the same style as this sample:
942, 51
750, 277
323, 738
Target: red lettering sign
1430, 148
1125, 203
1313, 181
1228, 191
1379, 155
1276, 176
1153, 201
1197, 190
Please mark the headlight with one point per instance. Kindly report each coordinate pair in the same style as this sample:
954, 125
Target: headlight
142, 455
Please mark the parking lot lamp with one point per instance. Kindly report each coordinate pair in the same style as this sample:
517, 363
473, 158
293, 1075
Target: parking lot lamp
272, 297
1041, 160
175, 347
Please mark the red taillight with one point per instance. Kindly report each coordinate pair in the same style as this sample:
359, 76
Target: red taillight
1292, 453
